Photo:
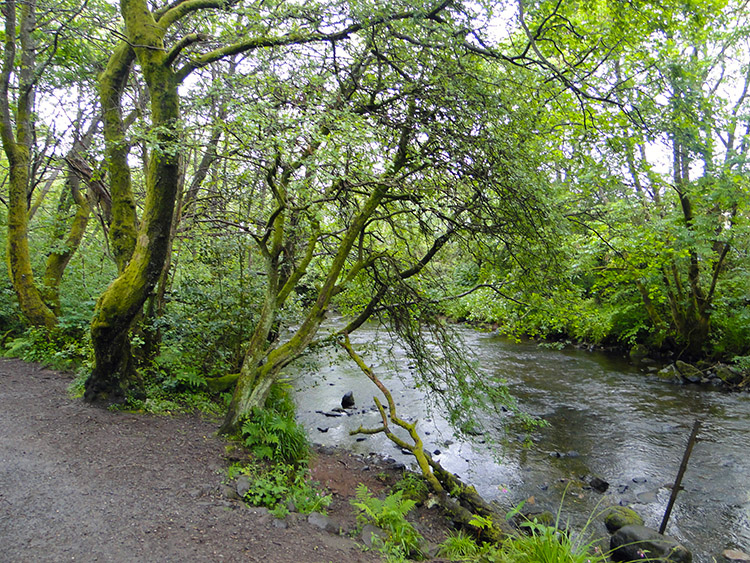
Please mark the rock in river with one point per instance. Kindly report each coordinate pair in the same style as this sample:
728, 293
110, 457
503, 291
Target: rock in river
347, 401
616, 517
634, 543
689, 372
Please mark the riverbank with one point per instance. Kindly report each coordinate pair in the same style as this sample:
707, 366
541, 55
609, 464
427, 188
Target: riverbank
79, 481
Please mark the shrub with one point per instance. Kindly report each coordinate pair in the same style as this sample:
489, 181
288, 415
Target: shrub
281, 486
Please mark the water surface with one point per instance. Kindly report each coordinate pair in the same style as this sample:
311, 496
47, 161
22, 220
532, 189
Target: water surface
606, 418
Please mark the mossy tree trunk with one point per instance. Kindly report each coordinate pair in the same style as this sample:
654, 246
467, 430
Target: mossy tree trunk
17, 142
459, 501
264, 360
40, 304
142, 249
186, 199
113, 377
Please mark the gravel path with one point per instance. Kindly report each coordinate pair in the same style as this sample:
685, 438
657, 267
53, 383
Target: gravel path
81, 483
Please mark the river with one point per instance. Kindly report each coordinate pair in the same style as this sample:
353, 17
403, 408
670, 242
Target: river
606, 418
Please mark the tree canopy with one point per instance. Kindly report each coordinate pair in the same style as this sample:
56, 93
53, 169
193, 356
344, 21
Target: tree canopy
191, 187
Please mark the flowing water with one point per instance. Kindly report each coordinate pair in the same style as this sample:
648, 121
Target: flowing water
606, 419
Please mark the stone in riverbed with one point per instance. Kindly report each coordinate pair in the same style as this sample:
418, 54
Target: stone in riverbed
634, 543
616, 517
669, 374
728, 375
347, 401
689, 372
599, 485
735, 555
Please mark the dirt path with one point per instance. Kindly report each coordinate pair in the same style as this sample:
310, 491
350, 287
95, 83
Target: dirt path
79, 483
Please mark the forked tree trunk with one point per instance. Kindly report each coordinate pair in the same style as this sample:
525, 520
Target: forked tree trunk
261, 368
113, 377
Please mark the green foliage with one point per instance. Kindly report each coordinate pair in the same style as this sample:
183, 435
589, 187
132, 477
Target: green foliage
275, 436
548, 544
211, 306
64, 348
173, 366
402, 539
413, 487
281, 486
459, 546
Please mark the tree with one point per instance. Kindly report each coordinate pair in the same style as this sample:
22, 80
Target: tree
410, 140
165, 61
651, 183
37, 44
686, 222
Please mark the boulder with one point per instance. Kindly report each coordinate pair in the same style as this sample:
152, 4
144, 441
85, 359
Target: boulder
599, 485
735, 555
635, 542
372, 534
689, 372
669, 374
322, 522
616, 517
347, 401
242, 485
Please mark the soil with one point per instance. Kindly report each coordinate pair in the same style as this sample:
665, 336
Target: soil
83, 483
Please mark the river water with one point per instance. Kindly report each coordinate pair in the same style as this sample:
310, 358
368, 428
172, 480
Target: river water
606, 418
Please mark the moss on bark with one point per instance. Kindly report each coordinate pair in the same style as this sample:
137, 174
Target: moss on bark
113, 376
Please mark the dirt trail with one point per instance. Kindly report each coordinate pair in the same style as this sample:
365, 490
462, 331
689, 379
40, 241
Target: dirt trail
80, 483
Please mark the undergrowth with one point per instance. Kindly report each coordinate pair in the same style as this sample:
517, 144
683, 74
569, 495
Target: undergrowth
400, 540
540, 543
280, 487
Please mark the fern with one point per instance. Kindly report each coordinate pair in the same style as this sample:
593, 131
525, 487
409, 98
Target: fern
271, 435
389, 514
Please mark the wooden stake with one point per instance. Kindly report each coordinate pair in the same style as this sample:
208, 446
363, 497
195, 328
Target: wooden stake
680, 473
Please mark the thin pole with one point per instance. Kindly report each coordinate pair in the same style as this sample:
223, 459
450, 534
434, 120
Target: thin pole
680, 473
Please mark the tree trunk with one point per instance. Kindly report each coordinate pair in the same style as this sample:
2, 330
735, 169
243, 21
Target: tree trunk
17, 147
259, 371
113, 377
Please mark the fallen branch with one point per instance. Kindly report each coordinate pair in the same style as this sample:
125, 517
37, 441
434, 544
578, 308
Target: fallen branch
461, 501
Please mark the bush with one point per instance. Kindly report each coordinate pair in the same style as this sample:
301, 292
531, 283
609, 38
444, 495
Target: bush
63, 348
274, 436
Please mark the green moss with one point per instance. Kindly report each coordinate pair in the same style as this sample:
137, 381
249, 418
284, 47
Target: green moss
616, 517
221, 384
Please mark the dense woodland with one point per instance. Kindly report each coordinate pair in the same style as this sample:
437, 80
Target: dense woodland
189, 187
